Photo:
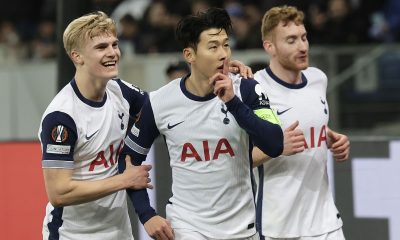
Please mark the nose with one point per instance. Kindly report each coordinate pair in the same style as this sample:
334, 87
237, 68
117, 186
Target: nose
112, 51
303, 46
224, 53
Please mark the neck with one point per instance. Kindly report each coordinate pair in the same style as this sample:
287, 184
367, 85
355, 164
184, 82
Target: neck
198, 84
90, 88
286, 75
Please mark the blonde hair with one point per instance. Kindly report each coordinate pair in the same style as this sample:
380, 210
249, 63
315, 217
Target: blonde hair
87, 26
276, 15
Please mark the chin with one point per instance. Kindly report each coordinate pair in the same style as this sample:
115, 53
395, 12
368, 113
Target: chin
112, 75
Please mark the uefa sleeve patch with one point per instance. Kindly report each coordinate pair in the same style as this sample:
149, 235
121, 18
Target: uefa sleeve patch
59, 134
58, 149
267, 114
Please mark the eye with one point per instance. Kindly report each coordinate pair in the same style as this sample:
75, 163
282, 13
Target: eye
226, 45
291, 40
213, 47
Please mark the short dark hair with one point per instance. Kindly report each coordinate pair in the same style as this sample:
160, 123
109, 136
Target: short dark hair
190, 27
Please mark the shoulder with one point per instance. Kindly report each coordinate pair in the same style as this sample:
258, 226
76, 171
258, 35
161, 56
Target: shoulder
168, 90
124, 86
63, 101
313, 72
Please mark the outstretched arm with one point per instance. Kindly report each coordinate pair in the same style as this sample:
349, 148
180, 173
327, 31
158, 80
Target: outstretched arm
62, 190
137, 145
293, 142
253, 115
58, 164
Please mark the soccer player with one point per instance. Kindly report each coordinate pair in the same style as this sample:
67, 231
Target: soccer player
82, 133
293, 192
210, 120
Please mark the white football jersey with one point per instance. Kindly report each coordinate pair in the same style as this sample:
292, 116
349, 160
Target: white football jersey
87, 137
293, 192
209, 155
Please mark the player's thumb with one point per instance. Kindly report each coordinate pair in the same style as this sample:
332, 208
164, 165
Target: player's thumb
331, 134
293, 126
128, 161
147, 167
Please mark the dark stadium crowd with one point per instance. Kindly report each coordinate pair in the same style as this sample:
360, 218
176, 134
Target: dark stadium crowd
28, 28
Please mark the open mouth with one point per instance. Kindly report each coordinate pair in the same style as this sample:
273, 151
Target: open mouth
110, 64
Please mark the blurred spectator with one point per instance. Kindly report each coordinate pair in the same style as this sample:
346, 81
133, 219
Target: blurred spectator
343, 25
129, 35
158, 30
386, 23
336, 22
177, 69
10, 45
44, 43
199, 6
135, 8
245, 36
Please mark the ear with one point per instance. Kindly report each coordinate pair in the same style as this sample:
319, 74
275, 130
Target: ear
268, 46
76, 57
189, 55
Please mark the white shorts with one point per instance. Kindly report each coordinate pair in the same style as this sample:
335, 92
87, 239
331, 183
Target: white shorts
334, 235
187, 234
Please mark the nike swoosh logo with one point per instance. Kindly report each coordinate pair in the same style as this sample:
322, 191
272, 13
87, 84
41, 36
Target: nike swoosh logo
174, 125
89, 137
282, 112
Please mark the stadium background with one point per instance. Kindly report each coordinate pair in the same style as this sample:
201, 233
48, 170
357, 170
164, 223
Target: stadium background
362, 65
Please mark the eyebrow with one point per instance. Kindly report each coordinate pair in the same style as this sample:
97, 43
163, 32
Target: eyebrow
216, 41
105, 43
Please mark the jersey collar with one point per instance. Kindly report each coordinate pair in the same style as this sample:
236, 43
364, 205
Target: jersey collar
85, 100
285, 84
192, 96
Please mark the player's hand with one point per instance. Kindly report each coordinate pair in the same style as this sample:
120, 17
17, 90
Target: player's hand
339, 145
293, 140
236, 67
223, 87
159, 228
137, 177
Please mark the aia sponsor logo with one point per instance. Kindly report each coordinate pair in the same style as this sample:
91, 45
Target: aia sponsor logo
101, 159
316, 137
223, 147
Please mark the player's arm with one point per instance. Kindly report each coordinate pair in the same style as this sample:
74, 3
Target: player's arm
135, 97
58, 138
137, 145
252, 115
293, 142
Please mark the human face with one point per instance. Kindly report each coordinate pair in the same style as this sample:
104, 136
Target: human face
212, 49
100, 57
290, 46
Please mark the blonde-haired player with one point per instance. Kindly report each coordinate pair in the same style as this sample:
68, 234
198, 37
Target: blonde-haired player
82, 133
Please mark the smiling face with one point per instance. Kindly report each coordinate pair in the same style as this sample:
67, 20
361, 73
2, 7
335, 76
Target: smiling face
288, 46
98, 57
212, 49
